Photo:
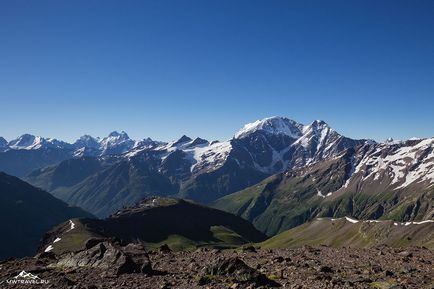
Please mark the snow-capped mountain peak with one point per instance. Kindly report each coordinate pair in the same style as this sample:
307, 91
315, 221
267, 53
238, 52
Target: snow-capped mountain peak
25, 141
318, 131
272, 125
319, 124
116, 134
31, 142
115, 137
116, 143
87, 141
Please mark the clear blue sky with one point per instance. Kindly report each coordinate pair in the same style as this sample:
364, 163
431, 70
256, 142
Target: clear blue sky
204, 68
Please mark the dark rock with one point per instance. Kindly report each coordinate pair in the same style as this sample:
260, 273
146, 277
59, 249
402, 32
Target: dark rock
325, 269
279, 259
376, 269
46, 255
388, 273
38, 269
237, 270
165, 248
203, 280
93, 242
137, 253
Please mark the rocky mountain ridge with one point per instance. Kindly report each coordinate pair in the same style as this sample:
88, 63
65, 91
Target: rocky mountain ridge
197, 169
373, 181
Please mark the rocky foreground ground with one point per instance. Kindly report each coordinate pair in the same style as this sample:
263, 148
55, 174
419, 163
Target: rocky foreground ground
104, 265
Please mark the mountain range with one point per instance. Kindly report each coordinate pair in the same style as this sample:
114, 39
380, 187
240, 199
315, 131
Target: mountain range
190, 168
275, 172
28, 152
372, 181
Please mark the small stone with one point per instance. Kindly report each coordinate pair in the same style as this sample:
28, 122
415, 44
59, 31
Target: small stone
388, 273
326, 269
278, 259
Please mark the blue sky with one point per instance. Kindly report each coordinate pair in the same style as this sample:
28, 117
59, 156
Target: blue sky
205, 68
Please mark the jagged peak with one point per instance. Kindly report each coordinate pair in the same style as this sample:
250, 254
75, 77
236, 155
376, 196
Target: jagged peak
121, 134
317, 127
182, 140
198, 141
319, 123
87, 141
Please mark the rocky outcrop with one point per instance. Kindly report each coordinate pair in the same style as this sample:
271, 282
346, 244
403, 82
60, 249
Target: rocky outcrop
114, 259
239, 272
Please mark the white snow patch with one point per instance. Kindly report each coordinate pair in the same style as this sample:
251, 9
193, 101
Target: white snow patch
419, 223
72, 225
354, 221
213, 155
49, 248
406, 164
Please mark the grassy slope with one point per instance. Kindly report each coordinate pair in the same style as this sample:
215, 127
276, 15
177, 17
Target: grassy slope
340, 233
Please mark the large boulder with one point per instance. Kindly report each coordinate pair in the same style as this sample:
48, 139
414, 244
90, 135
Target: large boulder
109, 257
239, 272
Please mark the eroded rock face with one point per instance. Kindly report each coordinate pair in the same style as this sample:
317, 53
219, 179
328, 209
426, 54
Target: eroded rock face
239, 272
109, 257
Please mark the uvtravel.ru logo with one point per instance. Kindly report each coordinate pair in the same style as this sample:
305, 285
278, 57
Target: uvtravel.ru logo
26, 278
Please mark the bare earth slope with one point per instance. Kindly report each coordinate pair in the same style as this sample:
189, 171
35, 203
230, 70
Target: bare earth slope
353, 233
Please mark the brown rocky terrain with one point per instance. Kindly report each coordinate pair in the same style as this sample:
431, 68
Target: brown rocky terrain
109, 264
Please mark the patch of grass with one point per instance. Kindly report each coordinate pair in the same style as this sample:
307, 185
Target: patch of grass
226, 235
75, 239
175, 242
